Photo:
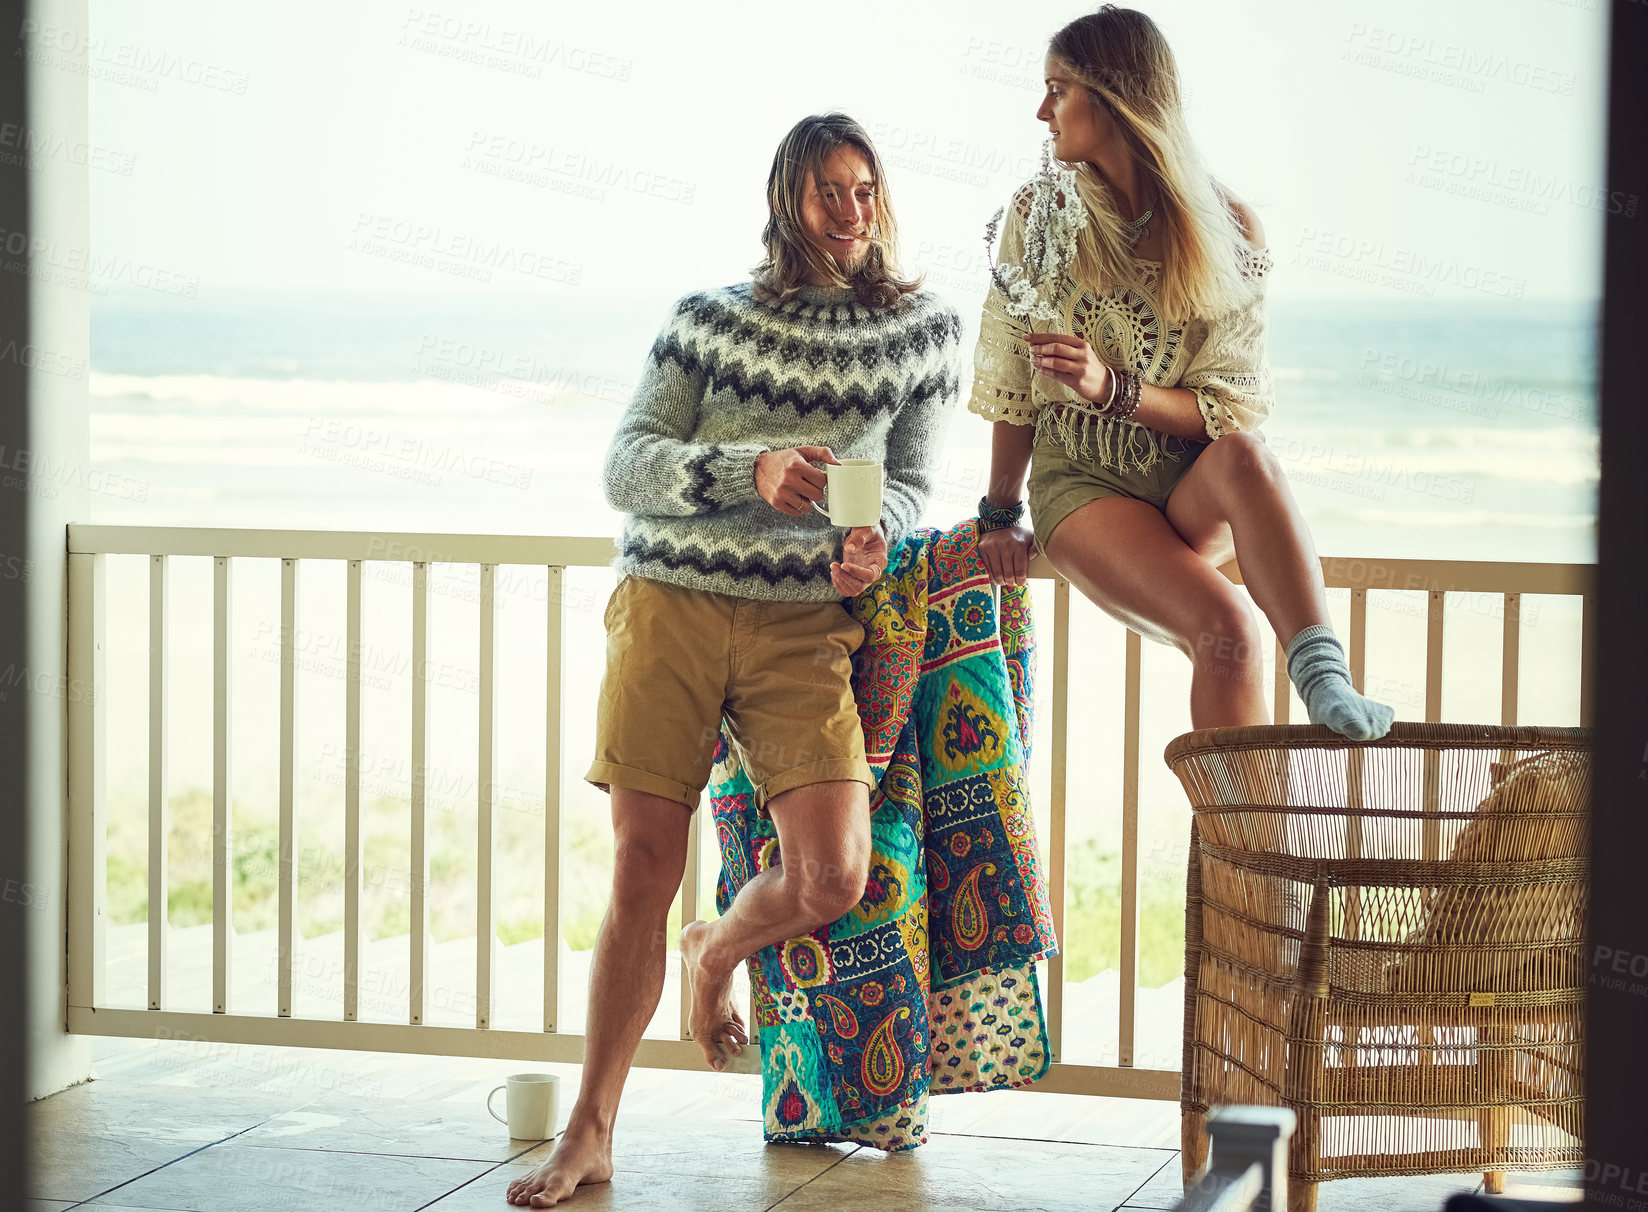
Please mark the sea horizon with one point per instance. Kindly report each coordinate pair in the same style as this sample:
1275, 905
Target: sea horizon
1419, 428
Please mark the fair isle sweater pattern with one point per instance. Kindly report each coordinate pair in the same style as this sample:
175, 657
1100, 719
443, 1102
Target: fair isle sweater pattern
730, 376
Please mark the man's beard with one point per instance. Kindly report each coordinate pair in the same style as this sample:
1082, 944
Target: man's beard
852, 266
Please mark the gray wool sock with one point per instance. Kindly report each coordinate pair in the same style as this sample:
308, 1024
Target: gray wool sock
1316, 665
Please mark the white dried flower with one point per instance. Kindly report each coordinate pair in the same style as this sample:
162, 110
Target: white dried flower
1050, 233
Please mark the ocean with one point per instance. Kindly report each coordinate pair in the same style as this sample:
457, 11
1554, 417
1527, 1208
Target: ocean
1408, 428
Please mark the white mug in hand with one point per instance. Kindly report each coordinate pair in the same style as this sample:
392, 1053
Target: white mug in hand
532, 1101
852, 492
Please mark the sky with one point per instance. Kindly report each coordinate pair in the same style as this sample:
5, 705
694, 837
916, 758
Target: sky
1389, 149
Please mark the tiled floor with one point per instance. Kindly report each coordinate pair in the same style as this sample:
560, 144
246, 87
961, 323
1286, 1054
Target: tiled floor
168, 1127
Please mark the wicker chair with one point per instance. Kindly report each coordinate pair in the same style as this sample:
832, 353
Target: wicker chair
1387, 937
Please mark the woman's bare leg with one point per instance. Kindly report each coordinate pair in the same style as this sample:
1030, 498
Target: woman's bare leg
1125, 557
1235, 500
1235, 497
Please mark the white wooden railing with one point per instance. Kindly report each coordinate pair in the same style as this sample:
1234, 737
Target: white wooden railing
90, 1011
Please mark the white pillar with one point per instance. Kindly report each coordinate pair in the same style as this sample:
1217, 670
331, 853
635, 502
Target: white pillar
59, 462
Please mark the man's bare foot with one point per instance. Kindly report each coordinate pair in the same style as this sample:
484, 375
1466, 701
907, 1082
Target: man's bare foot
582, 1156
714, 1022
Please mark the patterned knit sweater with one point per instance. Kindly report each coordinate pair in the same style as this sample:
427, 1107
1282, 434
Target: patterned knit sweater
730, 376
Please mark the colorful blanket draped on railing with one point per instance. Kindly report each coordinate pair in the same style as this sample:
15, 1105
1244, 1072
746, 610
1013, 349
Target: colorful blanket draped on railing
929, 985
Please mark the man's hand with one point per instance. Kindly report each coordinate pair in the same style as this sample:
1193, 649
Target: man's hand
787, 479
1072, 362
863, 560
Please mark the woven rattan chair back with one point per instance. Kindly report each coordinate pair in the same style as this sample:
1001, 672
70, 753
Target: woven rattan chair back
1388, 938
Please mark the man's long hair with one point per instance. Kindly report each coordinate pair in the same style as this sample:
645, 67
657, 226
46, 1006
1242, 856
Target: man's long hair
1123, 60
876, 281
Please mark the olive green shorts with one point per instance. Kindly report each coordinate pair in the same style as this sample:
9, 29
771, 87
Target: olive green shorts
1060, 485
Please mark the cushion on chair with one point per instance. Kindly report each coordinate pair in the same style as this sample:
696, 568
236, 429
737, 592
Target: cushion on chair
1535, 810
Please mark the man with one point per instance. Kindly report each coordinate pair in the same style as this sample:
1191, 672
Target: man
729, 601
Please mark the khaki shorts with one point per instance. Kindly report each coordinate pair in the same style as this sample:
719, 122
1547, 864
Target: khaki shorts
679, 659
1060, 485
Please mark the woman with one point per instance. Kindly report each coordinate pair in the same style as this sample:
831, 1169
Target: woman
1137, 418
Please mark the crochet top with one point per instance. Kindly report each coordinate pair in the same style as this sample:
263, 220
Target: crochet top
730, 376
1222, 361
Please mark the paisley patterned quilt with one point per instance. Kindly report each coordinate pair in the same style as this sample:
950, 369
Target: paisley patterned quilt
929, 985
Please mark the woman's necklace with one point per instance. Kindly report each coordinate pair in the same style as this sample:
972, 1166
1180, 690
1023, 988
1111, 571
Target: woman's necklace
1139, 228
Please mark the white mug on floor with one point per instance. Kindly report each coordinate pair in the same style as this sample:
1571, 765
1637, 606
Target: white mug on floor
532, 1101
852, 492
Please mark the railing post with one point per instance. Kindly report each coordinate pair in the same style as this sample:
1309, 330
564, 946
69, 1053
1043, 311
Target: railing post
1128, 976
418, 933
87, 785
1281, 684
223, 784
486, 765
554, 696
160, 817
351, 799
1587, 655
689, 911
286, 916
1056, 843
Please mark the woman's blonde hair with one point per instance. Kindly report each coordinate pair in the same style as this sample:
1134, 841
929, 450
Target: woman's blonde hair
801, 154
1121, 57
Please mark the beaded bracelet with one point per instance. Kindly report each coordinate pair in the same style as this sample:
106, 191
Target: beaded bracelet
1131, 389
998, 517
